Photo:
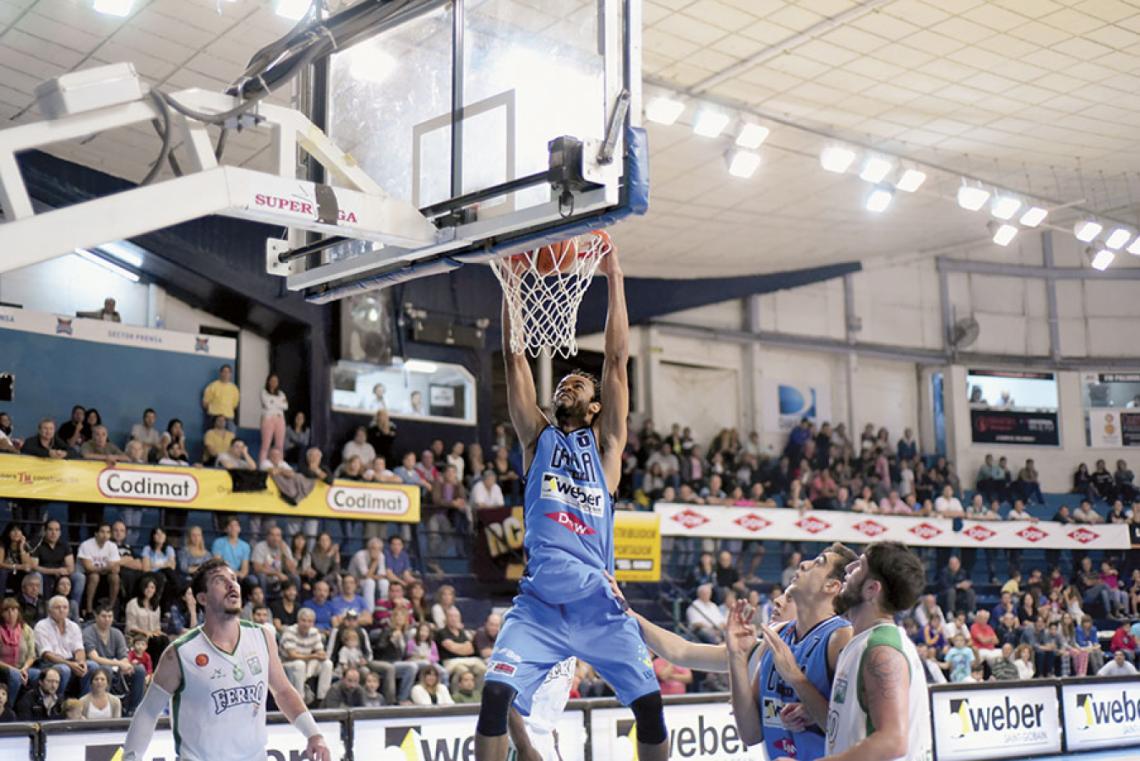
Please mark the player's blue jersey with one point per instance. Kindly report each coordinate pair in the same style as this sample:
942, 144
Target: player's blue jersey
774, 693
568, 518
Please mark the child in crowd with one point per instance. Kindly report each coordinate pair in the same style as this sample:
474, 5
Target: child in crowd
960, 658
351, 655
139, 655
465, 689
977, 674
72, 709
372, 696
6, 712
422, 649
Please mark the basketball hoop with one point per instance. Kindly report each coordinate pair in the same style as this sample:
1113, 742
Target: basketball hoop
544, 289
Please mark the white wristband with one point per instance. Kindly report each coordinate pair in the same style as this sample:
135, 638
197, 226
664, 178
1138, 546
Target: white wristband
306, 724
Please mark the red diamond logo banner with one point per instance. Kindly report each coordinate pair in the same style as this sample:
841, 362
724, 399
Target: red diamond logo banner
1084, 535
813, 525
870, 527
979, 533
752, 522
690, 519
925, 531
1032, 534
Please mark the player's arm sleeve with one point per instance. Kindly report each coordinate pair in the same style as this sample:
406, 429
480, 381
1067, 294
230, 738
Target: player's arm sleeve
167, 679
288, 701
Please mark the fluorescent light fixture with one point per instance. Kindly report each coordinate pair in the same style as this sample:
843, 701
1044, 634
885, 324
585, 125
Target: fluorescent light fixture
110, 266
1087, 229
293, 9
744, 164
911, 180
752, 136
1134, 248
664, 110
972, 197
1004, 207
1033, 216
710, 123
879, 199
1004, 234
371, 64
875, 168
420, 366
123, 254
1117, 238
1102, 259
114, 7
836, 158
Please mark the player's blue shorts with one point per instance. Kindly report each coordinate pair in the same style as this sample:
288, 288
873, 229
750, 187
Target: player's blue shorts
536, 635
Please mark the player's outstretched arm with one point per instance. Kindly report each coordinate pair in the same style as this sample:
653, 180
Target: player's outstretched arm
292, 705
679, 651
740, 636
615, 381
163, 684
886, 685
522, 400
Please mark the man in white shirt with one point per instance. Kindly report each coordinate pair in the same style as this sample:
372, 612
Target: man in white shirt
99, 559
1118, 666
359, 447
1086, 514
59, 641
1018, 513
705, 617
378, 471
368, 566
947, 505
486, 491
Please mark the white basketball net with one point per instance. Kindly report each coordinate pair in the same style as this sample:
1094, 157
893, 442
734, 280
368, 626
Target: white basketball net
543, 308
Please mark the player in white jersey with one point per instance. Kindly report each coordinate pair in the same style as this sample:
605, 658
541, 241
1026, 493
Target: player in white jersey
216, 678
535, 737
879, 708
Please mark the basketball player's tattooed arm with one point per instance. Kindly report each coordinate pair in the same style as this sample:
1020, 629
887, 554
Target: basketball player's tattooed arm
886, 686
739, 639
522, 399
615, 381
291, 704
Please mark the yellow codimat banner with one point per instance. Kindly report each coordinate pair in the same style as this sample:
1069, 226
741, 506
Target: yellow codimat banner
197, 489
637, 546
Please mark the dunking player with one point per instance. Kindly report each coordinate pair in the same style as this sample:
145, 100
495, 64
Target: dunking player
564, 606
215, 678
784, 701
879, 709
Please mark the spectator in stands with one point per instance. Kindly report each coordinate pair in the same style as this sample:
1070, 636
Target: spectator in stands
351, 469
106, 649
398, 565
321, 605
959, 657
17, 651
933, 668
1110, 577
823, 490
159, 559
957, 625
444, 604
1091, 588
33, 605
349, 602
1118, 666
216, 441
727, 576
60, 644
429, 690
273, 562
1123, 480
146, 434
325, 558
486, 491
176, 456
1024, 662
221, 398
984, 638
705, 618
457, 647
234, 550
956, 588
174, 434
947, 505
1117, 513
15, 557
1005, 605
71, 432
1124, 641
99, 557
44, 701
312, 467
99, 703
1042, 637
379, 472
1028, 487
237, 457
1086, 514
91, 419
284, 610
303, 655
8, 444
1008, 629
1003, 669
297, 438
865, 502
509, 479
932, 635
130, 566
389, 646
358, 446
1134, 588
1082, 483
926, 608
274, 405
907, 448
486, 635
108, 313
1103, 484
1027, 611
193, 553
144, 617
427, 469
989, 479
367, 565
45, 443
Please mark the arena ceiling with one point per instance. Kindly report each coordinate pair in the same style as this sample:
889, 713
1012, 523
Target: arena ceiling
1036, 96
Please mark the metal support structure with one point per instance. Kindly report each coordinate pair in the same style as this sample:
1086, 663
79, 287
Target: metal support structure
1030, 271
457, 97
1051, 296
545, 364
947, 309
850, 327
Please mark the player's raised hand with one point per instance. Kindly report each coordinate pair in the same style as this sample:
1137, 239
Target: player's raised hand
316, 749
782, 657
740, 634
609, 264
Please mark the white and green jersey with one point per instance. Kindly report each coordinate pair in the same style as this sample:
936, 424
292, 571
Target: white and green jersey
546, 709
218, 710
847, 719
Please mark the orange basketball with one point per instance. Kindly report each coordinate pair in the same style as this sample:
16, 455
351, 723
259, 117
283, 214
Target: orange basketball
557, 257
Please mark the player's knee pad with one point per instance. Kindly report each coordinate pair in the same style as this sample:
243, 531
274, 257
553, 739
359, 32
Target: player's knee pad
495, 708
649, 713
